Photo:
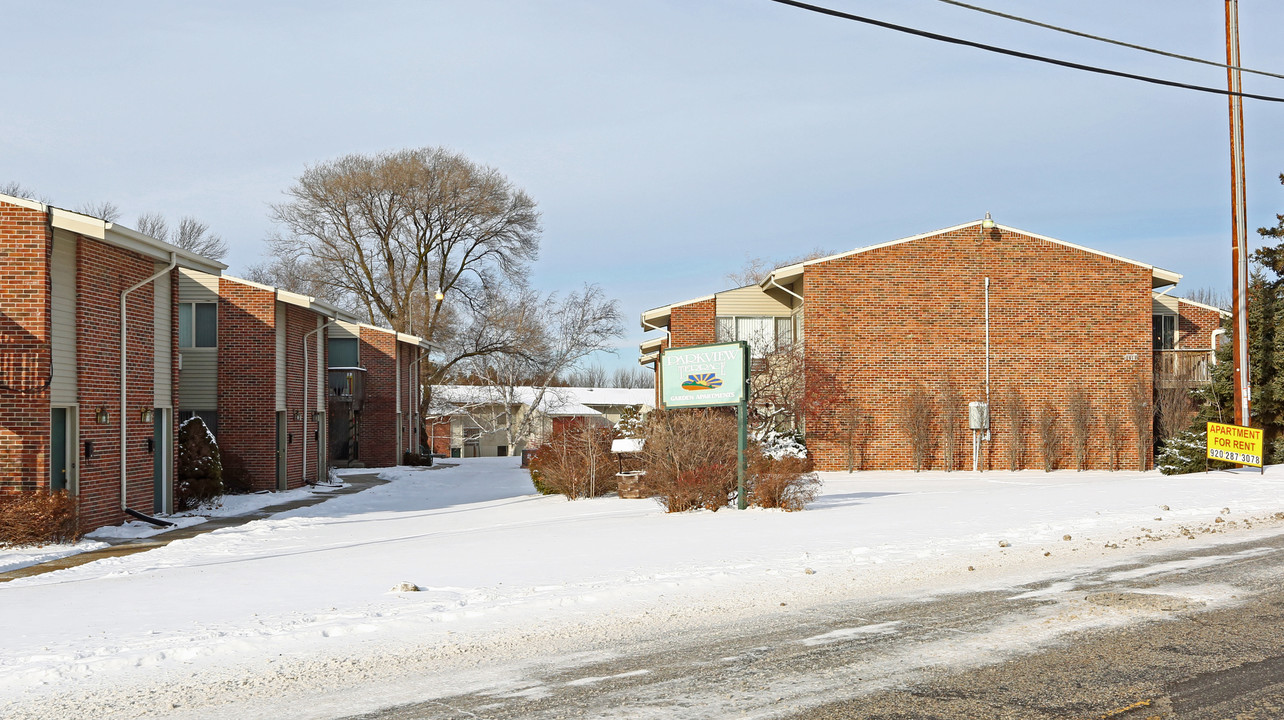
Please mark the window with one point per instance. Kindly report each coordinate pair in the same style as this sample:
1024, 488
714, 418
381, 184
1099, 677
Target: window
1165, 331
343, 352
764, 334
198, 325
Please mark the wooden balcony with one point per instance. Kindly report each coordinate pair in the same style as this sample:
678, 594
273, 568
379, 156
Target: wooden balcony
1183, 368
348, 385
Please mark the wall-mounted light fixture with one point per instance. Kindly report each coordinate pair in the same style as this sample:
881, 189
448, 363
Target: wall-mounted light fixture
101, 415
147, 415
297, 415
987, 223
318, 416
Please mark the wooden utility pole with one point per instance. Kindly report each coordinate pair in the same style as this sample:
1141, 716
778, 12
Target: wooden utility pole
1239, 217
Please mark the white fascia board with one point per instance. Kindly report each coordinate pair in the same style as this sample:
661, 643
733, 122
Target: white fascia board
665, 311
1223, 313
648, 358
24, 202
417, 341
124, 237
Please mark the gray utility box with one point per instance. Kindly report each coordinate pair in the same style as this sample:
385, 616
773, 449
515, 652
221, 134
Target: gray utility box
978, 416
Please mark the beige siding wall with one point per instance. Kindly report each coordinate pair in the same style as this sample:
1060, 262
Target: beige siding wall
194, 286
62, 388
280, 356
162, 355
750, 301
1163, 305
198, 387
343, 329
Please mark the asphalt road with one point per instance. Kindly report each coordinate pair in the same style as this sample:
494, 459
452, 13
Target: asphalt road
1188, 634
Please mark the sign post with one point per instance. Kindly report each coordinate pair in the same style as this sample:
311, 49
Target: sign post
1235, 444
715, 375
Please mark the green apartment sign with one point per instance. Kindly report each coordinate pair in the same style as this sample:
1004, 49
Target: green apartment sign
703, 375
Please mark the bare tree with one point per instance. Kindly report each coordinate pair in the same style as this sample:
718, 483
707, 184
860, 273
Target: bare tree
589, 376
1049, 437
1114, 438
1209, 295
756, 269
191, 234
1142, 414
106, 210
1174, 409
1079, 410
1015, 409
857, 430
916, 422
634, 377
17, 189
951, 402
421, 239
562, 333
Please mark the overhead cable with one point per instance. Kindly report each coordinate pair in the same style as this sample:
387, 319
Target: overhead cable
1022, 55
1098, 38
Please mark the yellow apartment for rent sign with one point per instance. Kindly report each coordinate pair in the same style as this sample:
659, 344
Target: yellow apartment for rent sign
1232, 443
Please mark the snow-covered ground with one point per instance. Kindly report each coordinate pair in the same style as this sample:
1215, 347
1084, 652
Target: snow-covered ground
304, 601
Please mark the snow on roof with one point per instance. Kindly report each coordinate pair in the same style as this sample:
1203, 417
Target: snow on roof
562, 401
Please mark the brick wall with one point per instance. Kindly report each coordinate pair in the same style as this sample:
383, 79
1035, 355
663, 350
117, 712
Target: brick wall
692, 324
437, 435
247, 379
379, 415
881, 321
103, 272
1195, 325
25, 353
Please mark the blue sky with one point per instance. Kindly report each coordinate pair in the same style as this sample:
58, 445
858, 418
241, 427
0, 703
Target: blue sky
665, 141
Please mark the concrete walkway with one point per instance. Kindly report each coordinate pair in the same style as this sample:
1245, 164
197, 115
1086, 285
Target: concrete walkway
128, 546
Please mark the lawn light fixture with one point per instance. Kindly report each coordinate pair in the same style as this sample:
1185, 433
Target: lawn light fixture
101, 415
987, 223
146, 414
440, 295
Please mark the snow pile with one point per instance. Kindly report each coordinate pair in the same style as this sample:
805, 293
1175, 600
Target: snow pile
776, 445
306, 593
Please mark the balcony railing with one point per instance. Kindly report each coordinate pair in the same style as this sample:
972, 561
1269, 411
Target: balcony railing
348, 385
1183, 367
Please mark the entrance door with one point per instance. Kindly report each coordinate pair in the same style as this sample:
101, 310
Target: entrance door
59, 440
282, 482
160, 459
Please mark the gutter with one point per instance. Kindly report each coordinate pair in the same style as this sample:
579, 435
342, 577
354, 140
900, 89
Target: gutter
772, 279
124, 323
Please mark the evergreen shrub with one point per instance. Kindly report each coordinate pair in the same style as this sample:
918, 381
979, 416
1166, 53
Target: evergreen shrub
198, 467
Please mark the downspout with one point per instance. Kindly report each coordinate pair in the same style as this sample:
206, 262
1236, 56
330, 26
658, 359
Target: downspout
987, 359
124, 322
306, 392
772, 279
1212, 345
414, 431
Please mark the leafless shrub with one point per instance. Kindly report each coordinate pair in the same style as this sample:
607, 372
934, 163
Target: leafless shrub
1049, 437
38, 518
916, 422
857, 430
1173, 407
951, 402
1141, 413
1114, 438
1079, 410
1015, 409
689, 458
787, 483
575, 462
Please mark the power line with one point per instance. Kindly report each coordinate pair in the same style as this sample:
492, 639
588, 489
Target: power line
1022, 55
1120, 43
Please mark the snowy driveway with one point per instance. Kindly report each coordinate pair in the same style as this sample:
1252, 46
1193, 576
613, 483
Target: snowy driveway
306, 594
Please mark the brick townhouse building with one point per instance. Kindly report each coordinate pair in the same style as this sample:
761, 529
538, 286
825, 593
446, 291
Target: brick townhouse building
87, 318
987, 308
373, 394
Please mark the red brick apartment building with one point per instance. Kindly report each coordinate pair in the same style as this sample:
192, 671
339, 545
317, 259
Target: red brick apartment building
373, 394
82, 300
988, 309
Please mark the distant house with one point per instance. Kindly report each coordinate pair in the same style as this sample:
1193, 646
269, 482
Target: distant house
89, 358
987, 308
473, 420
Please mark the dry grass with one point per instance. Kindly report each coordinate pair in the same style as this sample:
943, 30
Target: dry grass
1079, 412
1015, 409
1049, 438
916, 423
787, 483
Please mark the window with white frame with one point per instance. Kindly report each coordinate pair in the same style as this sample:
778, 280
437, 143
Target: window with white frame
763, 333
198, 325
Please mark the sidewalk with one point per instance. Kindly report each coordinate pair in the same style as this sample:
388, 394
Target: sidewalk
129, 546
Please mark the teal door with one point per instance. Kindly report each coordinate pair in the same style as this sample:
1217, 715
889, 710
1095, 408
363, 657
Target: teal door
58, 438
160, 458
282, 482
